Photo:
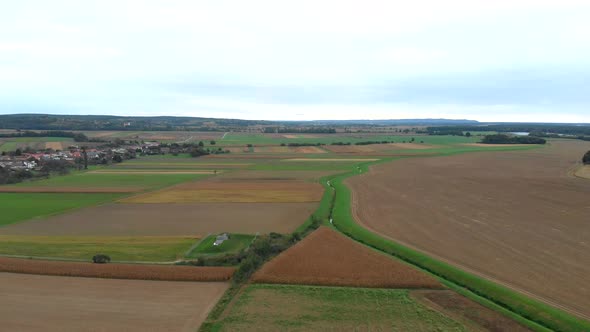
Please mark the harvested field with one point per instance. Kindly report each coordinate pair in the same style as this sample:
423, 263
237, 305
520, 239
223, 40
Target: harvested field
481, 145
377, 147
473, 315
307, 149
583, 172
313, 308
220, 190
54, 145
272, 149
328, 258
331, 159
49, 303
151, 172
79, 190
116, 271
311, 176
156, 220
516, 218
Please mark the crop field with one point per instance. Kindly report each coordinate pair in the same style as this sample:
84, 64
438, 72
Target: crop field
17, 207
116, 271
40, 143
517, 218
103, 181
328, 258
197, 219
49, 303
310, 308
249, 191
472, 315
147, 248
583, 172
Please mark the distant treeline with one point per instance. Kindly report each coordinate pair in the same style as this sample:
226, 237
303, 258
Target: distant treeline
534, 128
505, 139
291, 130
109, 122
78, 137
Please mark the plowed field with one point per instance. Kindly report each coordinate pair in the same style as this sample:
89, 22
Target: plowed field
49, 303
235, 192
515, 217
328, 258
116, 271
170, 219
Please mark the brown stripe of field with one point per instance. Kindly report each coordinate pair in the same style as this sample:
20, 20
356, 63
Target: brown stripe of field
50, 303
228, 191
328, 258
116, 271
153, 172
169, 220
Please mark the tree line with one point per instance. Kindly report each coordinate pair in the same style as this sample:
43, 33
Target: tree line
505, 139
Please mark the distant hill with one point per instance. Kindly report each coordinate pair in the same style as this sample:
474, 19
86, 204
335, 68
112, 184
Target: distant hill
163, 123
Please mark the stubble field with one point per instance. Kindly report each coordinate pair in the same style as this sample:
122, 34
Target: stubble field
49, 303
328, 258
517, 218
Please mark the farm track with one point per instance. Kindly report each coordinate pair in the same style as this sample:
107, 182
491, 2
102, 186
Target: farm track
400, 194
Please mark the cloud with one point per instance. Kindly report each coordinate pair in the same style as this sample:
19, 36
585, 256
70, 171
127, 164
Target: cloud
304, 57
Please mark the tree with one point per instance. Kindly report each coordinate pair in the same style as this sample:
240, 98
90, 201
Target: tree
101, 259
586, 158
18, 152
85, 156
467, 134
212, 142
201, 144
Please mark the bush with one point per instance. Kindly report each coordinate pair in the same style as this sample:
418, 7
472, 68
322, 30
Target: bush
586, 158
101, 259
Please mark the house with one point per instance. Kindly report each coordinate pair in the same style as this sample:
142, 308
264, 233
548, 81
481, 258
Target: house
220, 239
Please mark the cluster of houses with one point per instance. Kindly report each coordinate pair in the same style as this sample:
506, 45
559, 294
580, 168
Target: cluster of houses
75, 156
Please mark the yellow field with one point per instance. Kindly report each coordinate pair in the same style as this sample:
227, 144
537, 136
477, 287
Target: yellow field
583, 172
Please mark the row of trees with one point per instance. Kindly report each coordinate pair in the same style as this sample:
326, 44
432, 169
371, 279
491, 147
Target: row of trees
505, 139
78, 137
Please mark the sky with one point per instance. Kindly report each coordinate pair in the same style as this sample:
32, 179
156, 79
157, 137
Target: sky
517, 60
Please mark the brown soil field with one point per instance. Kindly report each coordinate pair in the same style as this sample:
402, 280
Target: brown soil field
289, 136
516, 217
331, 159
55, 145
307, 149
116, 271
272, 149
169, 220
87, 190
328, 258
311, 176
152, 172
481, 145
377, 147
475, 316
49, 303
583, 172
233, 191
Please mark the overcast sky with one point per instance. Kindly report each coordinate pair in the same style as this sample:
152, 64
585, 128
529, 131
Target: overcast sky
516, 60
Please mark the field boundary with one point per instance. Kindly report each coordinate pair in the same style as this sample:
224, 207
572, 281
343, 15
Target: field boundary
534, 314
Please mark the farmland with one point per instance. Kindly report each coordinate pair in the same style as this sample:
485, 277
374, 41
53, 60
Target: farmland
197, 219
116, 271
165, 208
16, 207
328, 258
49, 303
520, 210
313, 308
146, 248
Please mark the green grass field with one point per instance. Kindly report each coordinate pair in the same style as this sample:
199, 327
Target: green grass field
149, 248
103, 180
236, 243
15, 207
309, 308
